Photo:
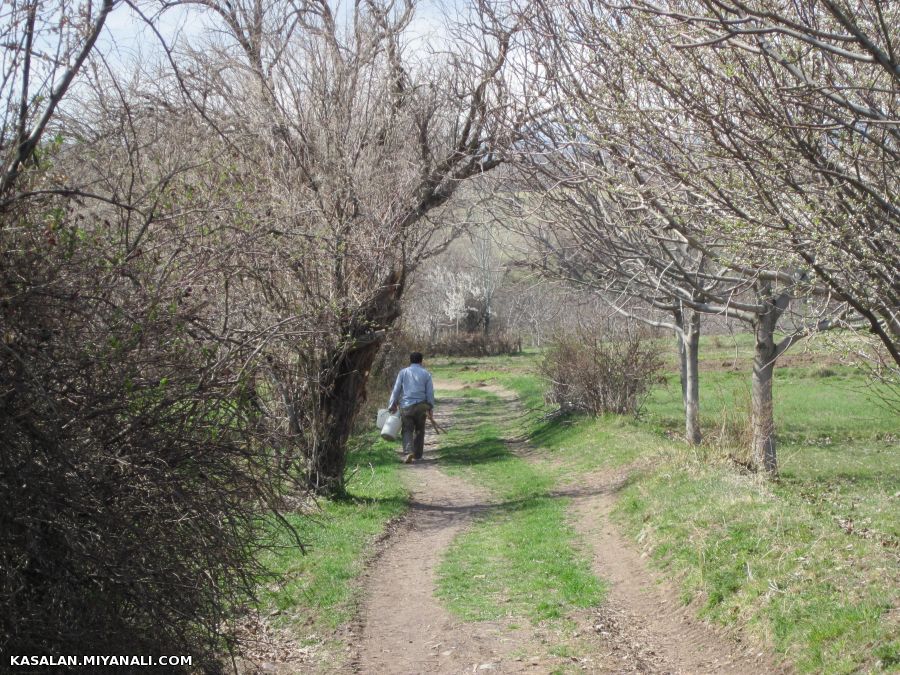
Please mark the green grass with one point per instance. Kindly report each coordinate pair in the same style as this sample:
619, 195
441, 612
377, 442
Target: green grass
727, 350
522, 560
837, 443
854, 483
583, 444
762, 556
317, 588
808, 564
569, 444
518, 562
493, 368
475, 448
809, 409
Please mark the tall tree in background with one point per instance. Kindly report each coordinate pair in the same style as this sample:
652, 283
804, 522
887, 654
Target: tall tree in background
590, 232
484, 256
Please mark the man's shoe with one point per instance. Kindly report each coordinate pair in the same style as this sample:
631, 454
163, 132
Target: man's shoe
408, 459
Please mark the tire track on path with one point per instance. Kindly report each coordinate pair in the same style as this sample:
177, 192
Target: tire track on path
643, 616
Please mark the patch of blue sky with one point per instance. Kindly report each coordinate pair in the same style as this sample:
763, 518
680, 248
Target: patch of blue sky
128, 38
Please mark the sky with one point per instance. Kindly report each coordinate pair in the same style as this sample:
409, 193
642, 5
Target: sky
127, 38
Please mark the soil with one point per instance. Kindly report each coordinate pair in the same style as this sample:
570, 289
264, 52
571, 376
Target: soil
643, 609
403, 628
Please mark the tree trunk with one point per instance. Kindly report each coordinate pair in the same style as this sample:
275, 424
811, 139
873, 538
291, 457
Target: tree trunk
343, 393
763, 455
688, 350
344, 375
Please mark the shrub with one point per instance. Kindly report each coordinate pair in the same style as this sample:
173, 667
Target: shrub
595, 373
131, 487
475, 344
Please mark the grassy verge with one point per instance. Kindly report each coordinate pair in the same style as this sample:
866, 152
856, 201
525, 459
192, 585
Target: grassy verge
763, 557
316, 590
813, 406
521, 561
570, 445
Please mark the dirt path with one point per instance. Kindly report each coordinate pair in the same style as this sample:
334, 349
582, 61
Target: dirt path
643, 615
641, 628
643, 619
403, 627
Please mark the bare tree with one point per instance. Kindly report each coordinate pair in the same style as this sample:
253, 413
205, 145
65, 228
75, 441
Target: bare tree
440, 297
639, 270
484, 253
44, 48
811, 131
354, 140
639, 164
535, 307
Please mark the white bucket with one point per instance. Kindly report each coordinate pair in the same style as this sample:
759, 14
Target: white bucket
383, 414
391, 429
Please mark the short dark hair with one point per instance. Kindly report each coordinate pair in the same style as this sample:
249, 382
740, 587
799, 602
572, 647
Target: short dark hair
415, 357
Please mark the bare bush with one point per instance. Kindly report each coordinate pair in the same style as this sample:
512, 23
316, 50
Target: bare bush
134, 485
130, 493
476, 344
598, 373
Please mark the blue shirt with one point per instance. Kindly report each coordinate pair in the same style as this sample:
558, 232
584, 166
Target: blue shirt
413, 386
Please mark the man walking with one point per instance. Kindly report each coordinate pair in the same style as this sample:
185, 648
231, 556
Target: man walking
414, 394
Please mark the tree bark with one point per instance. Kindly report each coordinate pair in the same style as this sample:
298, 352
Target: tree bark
343, 394
688, 351
344, 375
763, 455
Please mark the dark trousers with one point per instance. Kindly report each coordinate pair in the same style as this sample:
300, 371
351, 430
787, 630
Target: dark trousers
413, 424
